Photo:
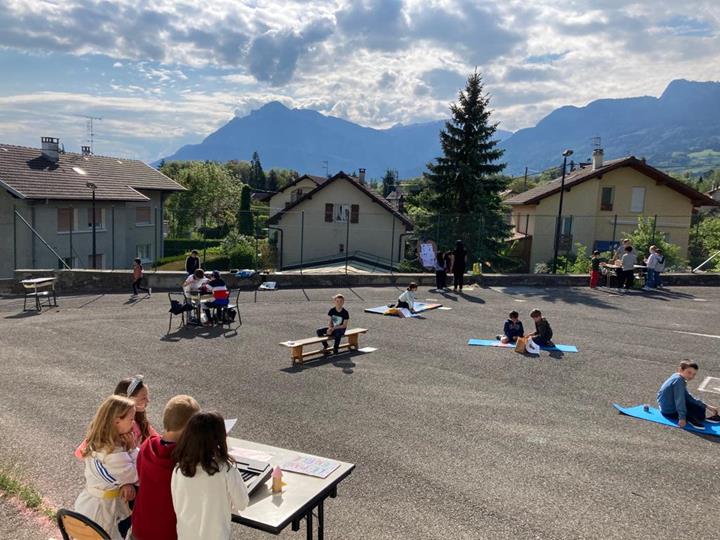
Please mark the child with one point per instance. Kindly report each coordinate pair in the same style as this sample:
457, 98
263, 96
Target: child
513, 329
407, 299
595, 269
221, 297
659, 268
153, 517
192, 263
676, 403
542, 336
137, 278
651, 263
440, 273
339, 318
109, 465
205, 485
628, 268
196, 281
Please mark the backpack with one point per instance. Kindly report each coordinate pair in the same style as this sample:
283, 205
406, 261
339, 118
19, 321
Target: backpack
231, 314
176, 308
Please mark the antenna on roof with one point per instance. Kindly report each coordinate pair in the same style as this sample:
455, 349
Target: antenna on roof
596, 142
90, 130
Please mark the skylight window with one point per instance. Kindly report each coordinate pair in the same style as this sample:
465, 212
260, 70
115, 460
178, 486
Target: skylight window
80, 171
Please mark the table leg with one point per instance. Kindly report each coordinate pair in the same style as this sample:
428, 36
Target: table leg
309, 525
321, 521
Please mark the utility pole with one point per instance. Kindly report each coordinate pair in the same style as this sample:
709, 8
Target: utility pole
566, 154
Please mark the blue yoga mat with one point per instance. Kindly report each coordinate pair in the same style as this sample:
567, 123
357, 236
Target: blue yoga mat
653, 415
497, 343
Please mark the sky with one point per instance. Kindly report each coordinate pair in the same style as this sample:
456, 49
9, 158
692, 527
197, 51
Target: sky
162, 73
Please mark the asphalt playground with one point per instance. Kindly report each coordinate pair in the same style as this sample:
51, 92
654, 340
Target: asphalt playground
449, 441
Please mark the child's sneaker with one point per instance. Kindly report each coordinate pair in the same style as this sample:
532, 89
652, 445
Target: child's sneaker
695, 424
497, 338
715, 419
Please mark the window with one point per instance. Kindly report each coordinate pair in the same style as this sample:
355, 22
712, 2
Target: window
143, 215
329, 212
99, 215
143, 251
606, 200
637, 204
98, 260
65, 219
342, 212
566, 226
295, 194
354, 213
70, 261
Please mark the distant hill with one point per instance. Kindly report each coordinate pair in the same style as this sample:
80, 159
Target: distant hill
677, 131
303, 139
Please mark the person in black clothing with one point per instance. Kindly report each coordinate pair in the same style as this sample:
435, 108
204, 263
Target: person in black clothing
339, 318
513, 329
542, 336
458, 266
440, 274
192, 263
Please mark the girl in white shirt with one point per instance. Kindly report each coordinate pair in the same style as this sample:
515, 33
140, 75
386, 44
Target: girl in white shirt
110, 472
206, 487
407, 298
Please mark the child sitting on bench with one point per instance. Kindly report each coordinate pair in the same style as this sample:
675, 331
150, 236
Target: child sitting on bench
407, 299
542, 336
338, 323
513, 329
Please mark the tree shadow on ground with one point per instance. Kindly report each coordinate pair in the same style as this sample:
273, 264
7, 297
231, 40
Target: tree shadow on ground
590, 298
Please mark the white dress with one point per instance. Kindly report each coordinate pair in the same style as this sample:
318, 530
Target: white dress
105, 473
204, 504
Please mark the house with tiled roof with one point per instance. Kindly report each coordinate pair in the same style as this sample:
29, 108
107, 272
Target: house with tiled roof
46, 201
601, 201
339, 218
291, 192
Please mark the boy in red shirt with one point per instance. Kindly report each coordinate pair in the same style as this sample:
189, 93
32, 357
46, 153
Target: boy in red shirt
153, 517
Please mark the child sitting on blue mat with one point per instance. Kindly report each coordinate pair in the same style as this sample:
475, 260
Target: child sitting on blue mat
542, 336
338, 323
676, 403
513, 329
407, 299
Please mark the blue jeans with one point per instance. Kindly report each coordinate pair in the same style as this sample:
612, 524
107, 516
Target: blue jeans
337, 334
651, 278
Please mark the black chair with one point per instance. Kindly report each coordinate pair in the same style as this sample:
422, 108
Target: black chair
177, 307
74, 526
223, 311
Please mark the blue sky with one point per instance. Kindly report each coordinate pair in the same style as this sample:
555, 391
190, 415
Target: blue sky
161, 73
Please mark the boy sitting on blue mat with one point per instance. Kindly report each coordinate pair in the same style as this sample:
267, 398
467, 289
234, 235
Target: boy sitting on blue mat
513, 329
542, 336
676, 403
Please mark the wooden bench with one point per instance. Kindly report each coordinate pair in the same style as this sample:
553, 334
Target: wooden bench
296, 347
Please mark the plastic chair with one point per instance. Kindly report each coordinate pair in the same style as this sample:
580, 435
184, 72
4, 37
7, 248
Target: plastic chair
74, 526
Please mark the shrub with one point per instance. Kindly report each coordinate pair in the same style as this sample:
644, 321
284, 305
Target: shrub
642, 238
182, 246
407, 266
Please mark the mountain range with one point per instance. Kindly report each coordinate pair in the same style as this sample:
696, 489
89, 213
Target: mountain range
678, 130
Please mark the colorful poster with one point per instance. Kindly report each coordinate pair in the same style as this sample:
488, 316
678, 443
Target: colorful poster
312, 466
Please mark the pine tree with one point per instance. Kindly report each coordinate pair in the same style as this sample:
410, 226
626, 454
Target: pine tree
464, 184
245, 217
389, 182
272, 181
257, 175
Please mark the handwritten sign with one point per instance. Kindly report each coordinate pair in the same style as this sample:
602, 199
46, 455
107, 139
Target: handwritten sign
311, 466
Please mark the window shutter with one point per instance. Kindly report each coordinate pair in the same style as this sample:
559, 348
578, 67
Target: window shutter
354, 213
65, 219
328, 212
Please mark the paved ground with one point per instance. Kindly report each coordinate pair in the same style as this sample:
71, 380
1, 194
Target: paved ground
450, 441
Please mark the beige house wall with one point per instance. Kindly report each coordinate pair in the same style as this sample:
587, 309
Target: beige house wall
377, 233
591, 224
280, 200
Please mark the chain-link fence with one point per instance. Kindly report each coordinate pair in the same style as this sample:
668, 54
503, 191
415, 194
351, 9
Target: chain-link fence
341, 238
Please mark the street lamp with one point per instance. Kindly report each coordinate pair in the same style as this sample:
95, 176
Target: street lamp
566, 154
93, 186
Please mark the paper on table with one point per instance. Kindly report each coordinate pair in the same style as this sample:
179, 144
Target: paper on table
240, 453
229, 424
311, 466
443, 308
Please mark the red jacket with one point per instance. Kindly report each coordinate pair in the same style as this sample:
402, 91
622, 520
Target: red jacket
153, 517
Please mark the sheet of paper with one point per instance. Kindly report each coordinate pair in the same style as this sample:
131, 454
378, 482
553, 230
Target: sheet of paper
311, 466
245, 453
367, 349
229, 424
443, 308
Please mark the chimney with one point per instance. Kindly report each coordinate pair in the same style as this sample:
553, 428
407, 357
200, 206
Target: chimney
50, 148
597, 158
86, 150
361, 176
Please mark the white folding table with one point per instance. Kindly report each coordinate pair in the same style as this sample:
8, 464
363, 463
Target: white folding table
272, 512
33, 289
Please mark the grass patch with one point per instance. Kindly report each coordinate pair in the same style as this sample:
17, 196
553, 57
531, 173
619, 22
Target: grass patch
29, 496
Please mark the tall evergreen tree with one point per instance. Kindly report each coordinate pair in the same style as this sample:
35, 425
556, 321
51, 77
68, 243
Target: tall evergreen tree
272, 181
389, 182
245, 217
465, 183
257, 176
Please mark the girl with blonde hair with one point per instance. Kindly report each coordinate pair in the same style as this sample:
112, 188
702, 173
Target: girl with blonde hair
109, 454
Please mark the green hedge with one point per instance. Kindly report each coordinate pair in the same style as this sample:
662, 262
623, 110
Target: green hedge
181, 246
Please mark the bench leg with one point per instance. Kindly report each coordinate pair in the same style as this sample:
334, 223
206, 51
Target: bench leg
353, 340
297, 354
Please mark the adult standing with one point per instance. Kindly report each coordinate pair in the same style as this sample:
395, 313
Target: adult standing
458, 265
192, 263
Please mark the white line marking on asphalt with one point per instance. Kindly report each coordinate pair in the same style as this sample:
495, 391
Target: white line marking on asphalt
699, 300
696, 334
710, 384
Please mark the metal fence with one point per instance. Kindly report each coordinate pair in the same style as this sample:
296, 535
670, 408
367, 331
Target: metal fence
329, 238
